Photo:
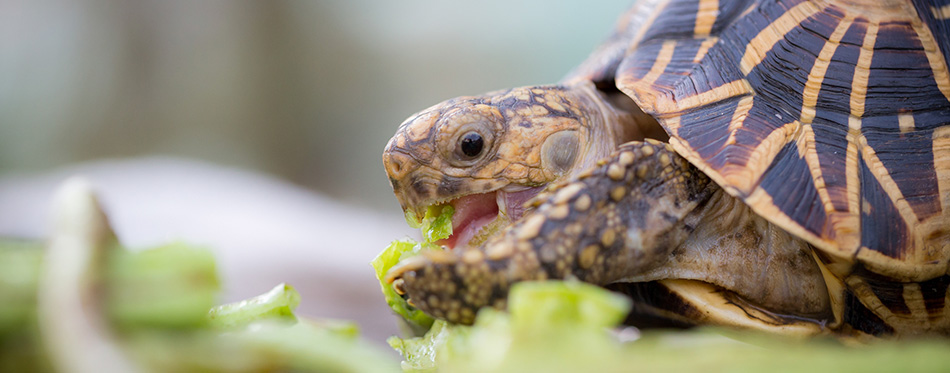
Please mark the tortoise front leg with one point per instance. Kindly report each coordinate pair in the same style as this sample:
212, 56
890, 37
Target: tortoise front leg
619, 219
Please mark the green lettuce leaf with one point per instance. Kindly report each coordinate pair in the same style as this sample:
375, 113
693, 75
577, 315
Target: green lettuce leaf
396, 251
260, 334
559, 326
541, 304
170, 286
547, 322
278, 303
436, 225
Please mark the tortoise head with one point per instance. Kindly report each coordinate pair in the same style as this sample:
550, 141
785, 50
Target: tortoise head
487, 155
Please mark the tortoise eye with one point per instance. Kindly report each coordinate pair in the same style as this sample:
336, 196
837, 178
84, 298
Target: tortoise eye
471, 144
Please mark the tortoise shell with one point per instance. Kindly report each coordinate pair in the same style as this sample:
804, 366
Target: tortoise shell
830, 119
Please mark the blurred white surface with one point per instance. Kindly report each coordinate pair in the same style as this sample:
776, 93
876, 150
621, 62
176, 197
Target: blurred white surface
262, 230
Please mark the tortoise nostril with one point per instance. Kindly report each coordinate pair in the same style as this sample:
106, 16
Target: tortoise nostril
396, 165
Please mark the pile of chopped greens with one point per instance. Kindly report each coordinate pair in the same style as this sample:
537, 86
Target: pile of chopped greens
159, 304
157, 307
567, 326
82, 302
436, 225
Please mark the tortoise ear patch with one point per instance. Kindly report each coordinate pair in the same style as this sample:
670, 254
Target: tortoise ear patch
559, 151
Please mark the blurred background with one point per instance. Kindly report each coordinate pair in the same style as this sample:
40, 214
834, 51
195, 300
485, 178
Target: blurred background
186, 112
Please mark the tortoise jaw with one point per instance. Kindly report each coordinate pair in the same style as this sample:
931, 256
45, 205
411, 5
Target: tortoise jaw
480, 216
472, 213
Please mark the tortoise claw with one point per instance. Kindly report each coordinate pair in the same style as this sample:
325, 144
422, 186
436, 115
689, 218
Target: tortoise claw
410, 271
399, 286
432, 282
417, 263
397, 272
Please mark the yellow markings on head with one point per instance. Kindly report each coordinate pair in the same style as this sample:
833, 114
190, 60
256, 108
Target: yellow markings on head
554, 105
937, 62
511, 170
523, 155
706, 17
818, 70
532, 111
421, 126
771, 34
398, 141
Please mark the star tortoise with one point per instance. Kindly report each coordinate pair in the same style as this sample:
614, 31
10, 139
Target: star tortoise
779, 165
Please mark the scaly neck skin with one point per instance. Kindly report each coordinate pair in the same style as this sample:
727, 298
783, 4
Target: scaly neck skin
609, 125
732, 247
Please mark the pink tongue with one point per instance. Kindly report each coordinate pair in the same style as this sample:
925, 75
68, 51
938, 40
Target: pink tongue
471, 213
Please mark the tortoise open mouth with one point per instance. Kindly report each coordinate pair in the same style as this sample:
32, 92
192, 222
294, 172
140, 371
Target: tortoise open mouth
480, 216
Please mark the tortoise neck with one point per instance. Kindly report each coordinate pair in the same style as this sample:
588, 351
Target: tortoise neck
623, 121
605, 125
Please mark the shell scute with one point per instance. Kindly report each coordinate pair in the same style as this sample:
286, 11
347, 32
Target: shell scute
826, 118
